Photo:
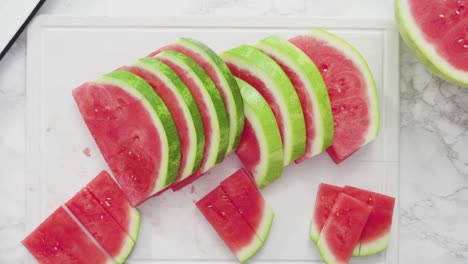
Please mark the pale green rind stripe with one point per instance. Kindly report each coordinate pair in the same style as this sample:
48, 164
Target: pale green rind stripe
356, 250
374, 247
125, 251
314, 232
188, 105
423, 50
278, 83
134, 227
295, 59
265, 225
250, 250
214, 101
325, 252
263, 122
170, 144
234, 103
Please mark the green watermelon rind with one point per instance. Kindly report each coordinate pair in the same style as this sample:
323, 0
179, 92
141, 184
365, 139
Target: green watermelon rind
356, 250
218, 113
125, 251
263, 122
135, 220
374, 247
187, 104
325, 252
264, 227
297, 60
423, 50
234, 102
162, 120
314, 233
355, 56
250, 58
249, 250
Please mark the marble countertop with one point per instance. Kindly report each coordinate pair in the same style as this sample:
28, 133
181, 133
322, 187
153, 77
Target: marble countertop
433, 134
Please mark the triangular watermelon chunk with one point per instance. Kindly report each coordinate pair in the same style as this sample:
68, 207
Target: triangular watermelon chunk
244, 194
59, 239
326, 197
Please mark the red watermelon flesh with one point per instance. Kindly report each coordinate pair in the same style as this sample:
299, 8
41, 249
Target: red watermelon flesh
224, 217
122, 128
343, 228
375, 236
59, 239
101, 225
444, 23
248, 150
326, 197
244, 194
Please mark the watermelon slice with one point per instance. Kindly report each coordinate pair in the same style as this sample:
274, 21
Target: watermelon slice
436, 31
217, 70
326, 197
134, 131
212, 109
229, 224
111, 197
351, 89
59, 239
101, 225
343, 228
183, 108
244, 194
267, 77
260, 149
311, 89
376, 233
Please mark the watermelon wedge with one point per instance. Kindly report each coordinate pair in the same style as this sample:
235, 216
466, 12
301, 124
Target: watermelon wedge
437, 33
267, 77
351, 89
133, 130
101, 225
260, 149
244, 194
183, 108
211, 106
111, 197
224, 217
343, 228
217, 70
326, 198
376, 234
310, 88
59, 239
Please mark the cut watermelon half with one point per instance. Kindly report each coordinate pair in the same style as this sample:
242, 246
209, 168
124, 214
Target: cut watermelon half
183, 108
212, 109
351, 89
101, 225
217, 70
133, 130
343, 228
376, 234
224, 217
437, 32
326, 197
112, 198
59, 239
267, 77
310, 88
260, 149
244, 194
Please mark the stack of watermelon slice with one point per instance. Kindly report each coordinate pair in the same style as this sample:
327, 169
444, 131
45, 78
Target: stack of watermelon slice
350, 222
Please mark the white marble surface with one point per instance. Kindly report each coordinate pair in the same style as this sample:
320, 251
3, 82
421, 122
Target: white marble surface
434, 127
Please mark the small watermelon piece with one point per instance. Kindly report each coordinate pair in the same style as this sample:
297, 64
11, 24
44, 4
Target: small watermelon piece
351, 89
326, 197
376, 234
101, 225
437, 33
133, 130
211, 106
112, 198
217, 70
343, 228
311, 89
267, 77
183, 108
260, 149
244, 194
59, 239
224, 217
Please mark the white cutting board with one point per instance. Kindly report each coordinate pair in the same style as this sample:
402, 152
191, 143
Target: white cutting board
64, 52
